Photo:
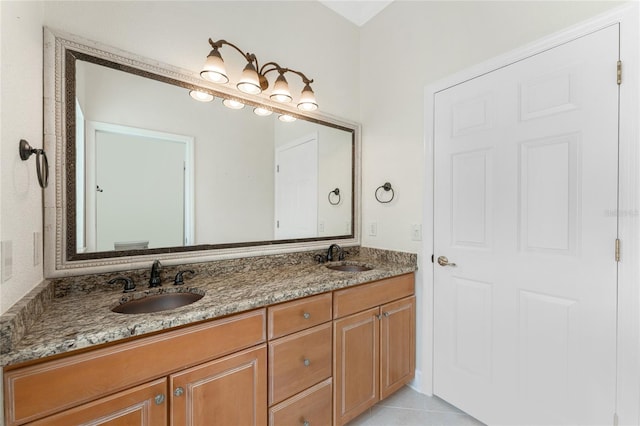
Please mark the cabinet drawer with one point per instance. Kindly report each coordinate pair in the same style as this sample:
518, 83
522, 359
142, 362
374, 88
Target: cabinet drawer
299, 361
297, 315
142, 405
356, 299
312, 406
38, 390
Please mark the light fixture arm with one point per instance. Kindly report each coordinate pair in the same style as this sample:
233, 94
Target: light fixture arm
250, 57
281, 70
275, 67
304, 78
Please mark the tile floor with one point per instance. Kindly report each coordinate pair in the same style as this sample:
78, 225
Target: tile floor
410, 408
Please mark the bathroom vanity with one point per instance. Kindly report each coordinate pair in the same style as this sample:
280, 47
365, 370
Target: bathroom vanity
269, 335
305, 344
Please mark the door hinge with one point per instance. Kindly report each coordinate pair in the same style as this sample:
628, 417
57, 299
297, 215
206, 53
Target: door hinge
619, 73
278, 168
432, 258
277, 224
615, 419
617, 249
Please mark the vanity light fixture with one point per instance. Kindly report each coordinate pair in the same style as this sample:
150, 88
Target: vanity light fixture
201, 96
286, 118
281, 91
262, 112
233, 104
254, 78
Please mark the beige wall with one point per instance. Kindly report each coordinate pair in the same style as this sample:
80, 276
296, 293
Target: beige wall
21, 118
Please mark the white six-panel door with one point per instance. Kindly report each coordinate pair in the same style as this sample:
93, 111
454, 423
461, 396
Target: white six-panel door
525, 206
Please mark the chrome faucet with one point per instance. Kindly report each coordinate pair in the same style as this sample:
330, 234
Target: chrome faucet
330, 252
155, 280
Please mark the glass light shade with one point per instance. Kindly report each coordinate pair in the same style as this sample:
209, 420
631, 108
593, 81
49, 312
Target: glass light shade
201, 96
233, 104
281, 91
286, 118
249, 81
307, 99
214, 69
263, 112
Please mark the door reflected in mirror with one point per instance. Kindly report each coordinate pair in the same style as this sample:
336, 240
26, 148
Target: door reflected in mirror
157, 169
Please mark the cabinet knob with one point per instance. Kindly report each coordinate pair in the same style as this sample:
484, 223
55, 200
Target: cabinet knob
306, 362
386, 314
379, 316
306, 315
159, 399
179, 391
305, 423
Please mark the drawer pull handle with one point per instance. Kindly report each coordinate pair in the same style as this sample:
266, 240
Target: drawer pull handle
159, 399
306, 315
306, 362
179, 391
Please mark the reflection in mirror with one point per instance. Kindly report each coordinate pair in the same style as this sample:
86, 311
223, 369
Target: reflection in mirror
157, 169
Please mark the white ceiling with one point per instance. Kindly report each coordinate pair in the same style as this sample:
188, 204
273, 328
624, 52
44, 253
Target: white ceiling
357, 11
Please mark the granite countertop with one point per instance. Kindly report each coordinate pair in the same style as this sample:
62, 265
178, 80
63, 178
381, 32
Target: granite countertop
82, 317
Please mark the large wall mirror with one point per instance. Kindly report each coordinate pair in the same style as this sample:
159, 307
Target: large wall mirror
145, 171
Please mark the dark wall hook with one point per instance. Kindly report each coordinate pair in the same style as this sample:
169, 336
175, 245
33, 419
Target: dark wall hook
42, 165
387, 187
335, 192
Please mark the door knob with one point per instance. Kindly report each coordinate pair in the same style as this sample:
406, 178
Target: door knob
443, 261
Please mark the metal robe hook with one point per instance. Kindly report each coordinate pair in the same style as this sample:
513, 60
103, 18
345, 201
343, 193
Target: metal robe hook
42, 165
387, 187
335, 192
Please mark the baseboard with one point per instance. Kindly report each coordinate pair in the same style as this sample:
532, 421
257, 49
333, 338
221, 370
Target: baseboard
416, 383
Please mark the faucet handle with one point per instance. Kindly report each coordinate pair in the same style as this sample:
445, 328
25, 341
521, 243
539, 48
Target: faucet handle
179, 280
129, 286
320, 258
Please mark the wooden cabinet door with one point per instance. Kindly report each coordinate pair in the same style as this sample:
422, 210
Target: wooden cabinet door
144, 405
228, 391
397, 345
356, 364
